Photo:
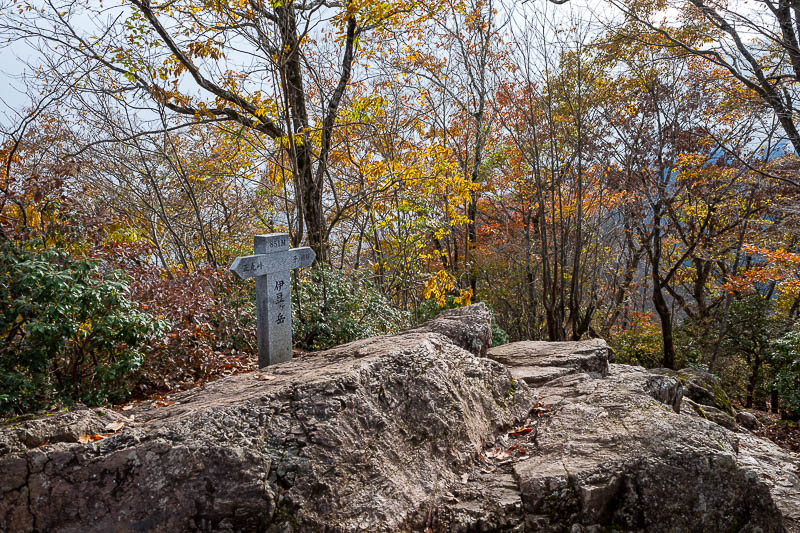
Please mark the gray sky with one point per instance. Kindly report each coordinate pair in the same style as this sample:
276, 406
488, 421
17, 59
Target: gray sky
16, 58
12, 67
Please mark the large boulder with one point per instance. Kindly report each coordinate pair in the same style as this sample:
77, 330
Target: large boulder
610, 453
704, 396
411, 432
364, 437
704, 388
616, 452
537, 362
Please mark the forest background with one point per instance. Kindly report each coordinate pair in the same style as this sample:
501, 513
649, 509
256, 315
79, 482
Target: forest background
625, 170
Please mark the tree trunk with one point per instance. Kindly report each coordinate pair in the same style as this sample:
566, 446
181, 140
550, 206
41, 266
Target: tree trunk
751, 383
472, 241
310, 190
666, 323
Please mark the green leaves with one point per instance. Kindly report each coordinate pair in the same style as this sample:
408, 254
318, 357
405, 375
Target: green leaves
70, 332
333, 307
785, 356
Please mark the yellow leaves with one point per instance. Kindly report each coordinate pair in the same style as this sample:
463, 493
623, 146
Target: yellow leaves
689, 160
440, 234
464, 298
278, 174
119, 233
266, 107
365, 109
376, 13
85, 329
201, 49
438, 285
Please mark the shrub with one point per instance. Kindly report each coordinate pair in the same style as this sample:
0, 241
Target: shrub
499, 335
212, 332
642, 346
70, 331
331, 307
785, 356
752, 324
694, 341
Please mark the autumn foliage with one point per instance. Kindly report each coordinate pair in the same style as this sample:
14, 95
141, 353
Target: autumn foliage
626, 179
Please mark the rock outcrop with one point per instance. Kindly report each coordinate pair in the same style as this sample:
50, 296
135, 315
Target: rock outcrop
410, 432
537, 362
363, 437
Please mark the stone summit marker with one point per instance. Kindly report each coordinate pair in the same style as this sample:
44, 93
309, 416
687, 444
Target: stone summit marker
270, 266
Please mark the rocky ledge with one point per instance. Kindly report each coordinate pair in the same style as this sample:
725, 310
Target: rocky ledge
422, 431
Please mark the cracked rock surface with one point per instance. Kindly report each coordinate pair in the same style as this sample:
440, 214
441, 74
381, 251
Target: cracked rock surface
410, 432
615, 452
364, 437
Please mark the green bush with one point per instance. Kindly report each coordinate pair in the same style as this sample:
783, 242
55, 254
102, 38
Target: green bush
643, 347
331, 307
694, 341
429, 309
69, 331
499, 335
785, 357
745, 372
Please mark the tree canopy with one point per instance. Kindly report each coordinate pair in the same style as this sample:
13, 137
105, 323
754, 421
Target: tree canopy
627, 172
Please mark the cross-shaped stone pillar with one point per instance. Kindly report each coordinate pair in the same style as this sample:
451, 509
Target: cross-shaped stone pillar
270, 266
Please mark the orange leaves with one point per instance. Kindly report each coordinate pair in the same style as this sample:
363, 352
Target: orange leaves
84, 439
112, 428
778, 266
520, 431
510, 447
500, 454
464, 297
780, 256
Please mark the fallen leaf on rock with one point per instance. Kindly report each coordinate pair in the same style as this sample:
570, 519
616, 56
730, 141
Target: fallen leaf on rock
518, 432
127, 407
114, 426
540, 409
497, 453
163, 403
264, 376
83, 439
